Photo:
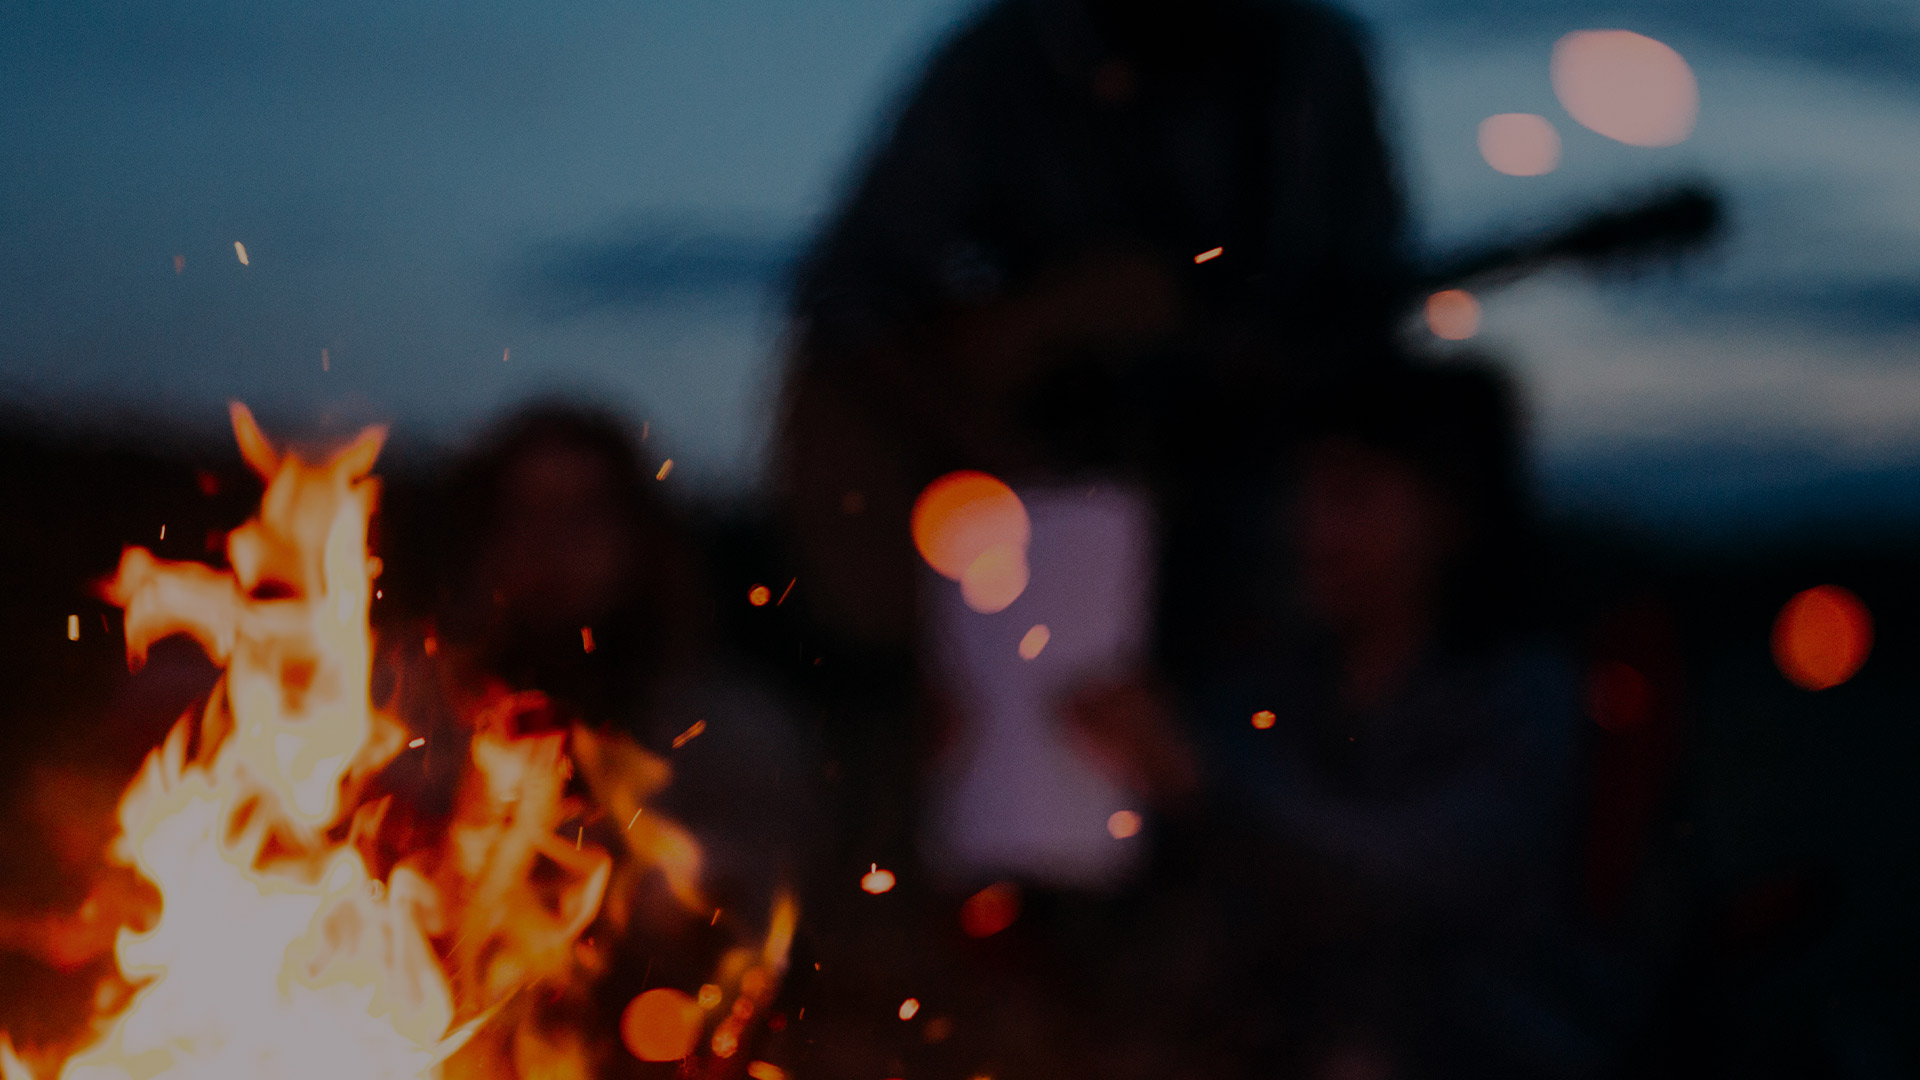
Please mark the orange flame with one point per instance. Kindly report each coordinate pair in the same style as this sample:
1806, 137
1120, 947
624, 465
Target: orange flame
280, 950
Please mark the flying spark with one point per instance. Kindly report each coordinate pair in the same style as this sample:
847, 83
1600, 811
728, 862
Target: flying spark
240, 250
1208, 255
690, 734
665, 468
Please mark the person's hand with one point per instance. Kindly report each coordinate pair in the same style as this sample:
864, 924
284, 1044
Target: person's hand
1128, 725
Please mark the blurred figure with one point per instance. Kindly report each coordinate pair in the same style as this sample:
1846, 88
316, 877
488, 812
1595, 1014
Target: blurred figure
1098, 242
1021, 280
566, 572
1406, 758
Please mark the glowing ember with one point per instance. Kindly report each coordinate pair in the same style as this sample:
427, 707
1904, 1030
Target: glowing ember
693, 732
1264, 719
876, 880
1208, 255
759, 596
909, 1008
665, 468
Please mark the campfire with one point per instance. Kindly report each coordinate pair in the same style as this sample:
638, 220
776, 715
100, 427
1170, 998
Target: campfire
280, 906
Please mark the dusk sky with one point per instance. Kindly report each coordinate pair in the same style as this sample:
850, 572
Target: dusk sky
610, 191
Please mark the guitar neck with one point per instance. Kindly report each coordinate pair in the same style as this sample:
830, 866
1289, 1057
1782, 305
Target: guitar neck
1667, 222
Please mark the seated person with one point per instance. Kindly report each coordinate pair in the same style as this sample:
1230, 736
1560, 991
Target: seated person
1392, 780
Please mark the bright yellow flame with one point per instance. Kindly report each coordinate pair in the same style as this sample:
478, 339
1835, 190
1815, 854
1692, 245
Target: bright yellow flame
1626, 86
278, 951
1519, 144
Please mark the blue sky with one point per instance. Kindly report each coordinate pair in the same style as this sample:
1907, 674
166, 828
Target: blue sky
422, 187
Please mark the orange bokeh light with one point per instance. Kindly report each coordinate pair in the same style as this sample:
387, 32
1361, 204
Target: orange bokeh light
990, 910
1264, 719
1822, 637
1034, 641
963, 514
662, 1024
1626, 86
1453, 314
996, 579
1124, 825
909, 1008
1519, 144
759, 595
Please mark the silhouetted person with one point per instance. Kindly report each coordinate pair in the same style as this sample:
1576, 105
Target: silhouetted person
568, 573
1411, 792
1012, 285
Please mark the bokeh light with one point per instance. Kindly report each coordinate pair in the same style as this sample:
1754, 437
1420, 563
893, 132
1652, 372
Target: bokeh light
662, 1024
1124, 825
1453, 314
1520, 144
1035, 640
1626, 86
909, 1008
759, 595
996, 579
961, 515
1822, 637
876, 881
1264, 719
990, 910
